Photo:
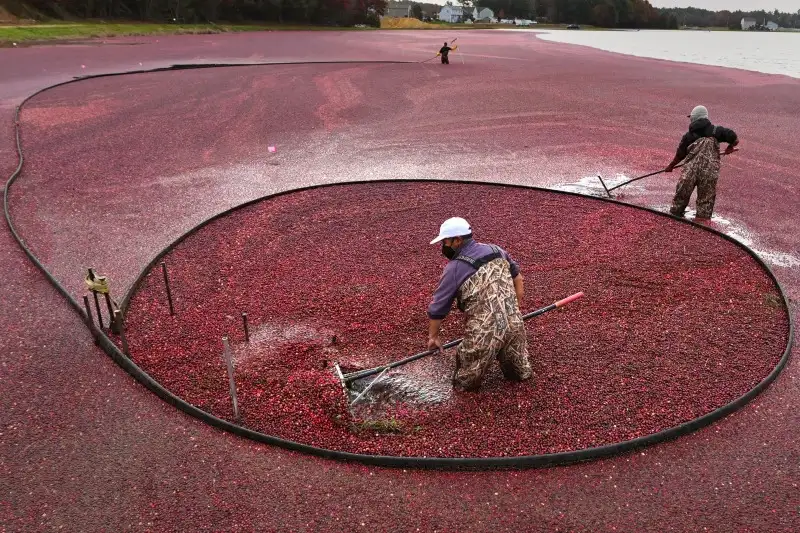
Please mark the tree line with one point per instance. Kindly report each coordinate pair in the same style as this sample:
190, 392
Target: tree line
324, 12
704, 18
603, 13
631, 14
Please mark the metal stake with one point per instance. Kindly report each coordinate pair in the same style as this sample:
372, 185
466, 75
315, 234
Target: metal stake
246, 330
96, 301
604, 185
166, 284
88, 310
111, 314
226, 354
99, 314
118, 320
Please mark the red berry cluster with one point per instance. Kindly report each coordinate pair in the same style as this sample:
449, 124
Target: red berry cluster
675, 322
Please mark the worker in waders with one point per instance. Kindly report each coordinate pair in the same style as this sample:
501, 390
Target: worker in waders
444, 51
486, 283
699, 148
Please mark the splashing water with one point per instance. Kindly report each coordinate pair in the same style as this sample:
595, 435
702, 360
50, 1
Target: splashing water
591, 186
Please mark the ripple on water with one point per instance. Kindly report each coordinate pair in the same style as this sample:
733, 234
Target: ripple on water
591, 185
741, 233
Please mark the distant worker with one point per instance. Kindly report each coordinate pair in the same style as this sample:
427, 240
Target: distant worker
487, 285
699, 148
443, 51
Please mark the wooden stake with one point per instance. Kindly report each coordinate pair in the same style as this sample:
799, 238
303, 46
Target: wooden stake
112, 315
226, 354
99, 314
166, 284
88, 310
120, 325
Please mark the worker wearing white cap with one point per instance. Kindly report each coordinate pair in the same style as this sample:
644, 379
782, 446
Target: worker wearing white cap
699, 149
488, 287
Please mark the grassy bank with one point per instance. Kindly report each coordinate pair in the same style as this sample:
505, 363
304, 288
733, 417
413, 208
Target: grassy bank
55, 31
63, 31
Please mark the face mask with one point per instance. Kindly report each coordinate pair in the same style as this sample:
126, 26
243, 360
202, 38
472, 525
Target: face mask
448, 251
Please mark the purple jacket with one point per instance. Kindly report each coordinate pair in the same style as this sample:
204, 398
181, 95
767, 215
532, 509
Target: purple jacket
457, 272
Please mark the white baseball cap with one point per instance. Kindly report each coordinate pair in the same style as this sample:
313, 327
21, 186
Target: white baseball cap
452, 227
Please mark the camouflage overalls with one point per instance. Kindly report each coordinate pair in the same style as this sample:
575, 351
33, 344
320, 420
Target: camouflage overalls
701, 170
494, 327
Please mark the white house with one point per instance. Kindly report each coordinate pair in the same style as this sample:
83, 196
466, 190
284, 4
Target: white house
453, 14
748, 23
771, 26
484, 14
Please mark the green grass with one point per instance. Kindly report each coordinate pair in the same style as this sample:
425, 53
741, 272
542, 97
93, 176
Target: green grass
87, 30
70, 31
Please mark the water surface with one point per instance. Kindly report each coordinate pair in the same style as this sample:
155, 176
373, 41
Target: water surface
768, 52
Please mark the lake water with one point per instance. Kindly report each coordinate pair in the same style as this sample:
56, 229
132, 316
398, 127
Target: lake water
771, 53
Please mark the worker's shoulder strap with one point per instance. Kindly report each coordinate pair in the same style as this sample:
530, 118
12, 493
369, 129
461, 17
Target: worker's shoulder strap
478, 263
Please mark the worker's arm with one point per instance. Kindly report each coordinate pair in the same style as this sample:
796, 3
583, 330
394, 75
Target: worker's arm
726, 135
516, 277
672, 163
732, 141
732, 147
434, 342
440, 305
680, 155
519, 288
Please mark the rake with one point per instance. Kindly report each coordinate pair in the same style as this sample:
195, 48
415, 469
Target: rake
349, 378
608, 191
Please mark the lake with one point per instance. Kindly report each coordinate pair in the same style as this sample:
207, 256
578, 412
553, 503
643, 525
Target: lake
771, 53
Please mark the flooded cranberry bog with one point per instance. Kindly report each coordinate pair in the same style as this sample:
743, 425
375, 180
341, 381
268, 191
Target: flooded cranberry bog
677, 322
86, 447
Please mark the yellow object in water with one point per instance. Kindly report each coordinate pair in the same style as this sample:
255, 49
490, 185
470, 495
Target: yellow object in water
98, 284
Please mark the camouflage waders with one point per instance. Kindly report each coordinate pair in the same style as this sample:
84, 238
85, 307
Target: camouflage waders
494, 327
701, 170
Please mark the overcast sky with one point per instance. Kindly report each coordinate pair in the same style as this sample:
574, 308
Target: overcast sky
714, 5
732, 5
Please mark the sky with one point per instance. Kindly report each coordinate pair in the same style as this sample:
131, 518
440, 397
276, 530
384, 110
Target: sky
790, 6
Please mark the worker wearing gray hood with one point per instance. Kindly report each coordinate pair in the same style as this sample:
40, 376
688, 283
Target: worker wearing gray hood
699, 149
